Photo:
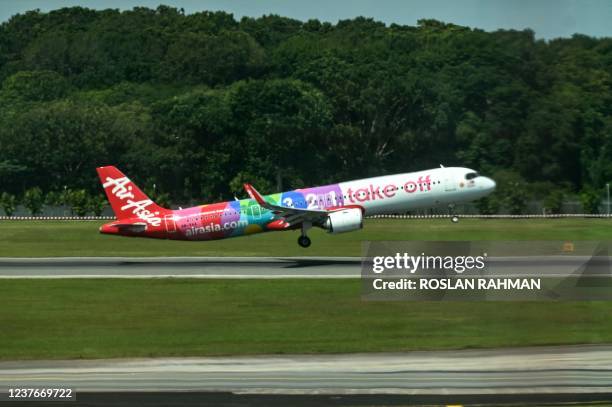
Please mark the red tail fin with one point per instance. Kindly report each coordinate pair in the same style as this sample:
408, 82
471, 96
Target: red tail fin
126, 199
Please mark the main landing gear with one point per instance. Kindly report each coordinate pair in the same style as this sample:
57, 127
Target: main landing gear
304, 240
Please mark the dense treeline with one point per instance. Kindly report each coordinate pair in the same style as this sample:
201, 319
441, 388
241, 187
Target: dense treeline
193, 105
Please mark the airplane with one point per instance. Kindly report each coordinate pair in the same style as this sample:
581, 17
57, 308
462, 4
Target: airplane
336, 208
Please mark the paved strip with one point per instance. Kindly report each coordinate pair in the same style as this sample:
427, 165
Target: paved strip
258, 267
181, 267
566, 369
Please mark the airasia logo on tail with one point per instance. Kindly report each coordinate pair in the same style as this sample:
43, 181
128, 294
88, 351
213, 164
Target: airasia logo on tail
122, 190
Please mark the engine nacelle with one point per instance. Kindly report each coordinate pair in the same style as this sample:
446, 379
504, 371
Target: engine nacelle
345, 220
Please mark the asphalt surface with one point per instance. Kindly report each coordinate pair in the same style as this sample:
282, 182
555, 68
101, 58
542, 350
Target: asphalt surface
536, 370
221, 399
188, 267
257, 267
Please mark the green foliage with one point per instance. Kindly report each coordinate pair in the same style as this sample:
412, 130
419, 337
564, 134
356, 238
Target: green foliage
62, 142
64, 197
8, 203
488, 205
96, 204
554, 201
33, 200
590, 199
510, 194
199, 103
53, 198
34, 86
79, 201
161, 198
236, 185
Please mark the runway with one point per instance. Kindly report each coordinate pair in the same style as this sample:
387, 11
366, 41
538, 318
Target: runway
181, 267
537, 370
259, 267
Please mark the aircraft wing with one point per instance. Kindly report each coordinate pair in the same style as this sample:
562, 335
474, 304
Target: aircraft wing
290, 215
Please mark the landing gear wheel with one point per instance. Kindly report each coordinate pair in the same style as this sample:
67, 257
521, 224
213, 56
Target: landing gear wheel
451, 211
304, 241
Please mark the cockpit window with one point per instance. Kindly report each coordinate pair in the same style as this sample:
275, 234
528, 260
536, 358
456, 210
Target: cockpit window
471, 175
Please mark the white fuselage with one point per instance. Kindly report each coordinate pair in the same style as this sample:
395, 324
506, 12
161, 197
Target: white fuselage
401, 192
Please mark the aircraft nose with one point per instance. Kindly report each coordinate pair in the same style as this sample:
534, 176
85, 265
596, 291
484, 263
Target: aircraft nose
487, 184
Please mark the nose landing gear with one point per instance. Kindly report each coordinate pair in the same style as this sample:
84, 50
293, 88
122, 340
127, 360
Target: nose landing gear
304, 240
451, 211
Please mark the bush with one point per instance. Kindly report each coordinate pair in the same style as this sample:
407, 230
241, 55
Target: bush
163, 200
510, 194
237, 183
96, 204
590, 200
33, 200
8, 202
487, 206
79, 201
64, 197
53, 198
554, 201
160, 198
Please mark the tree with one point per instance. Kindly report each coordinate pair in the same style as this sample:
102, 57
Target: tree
590, 199
11, 173
160, 198
197, 102
62, 142
8, 202
554, 201
33, 200
34, 86
488, 206
510, 193
79, 201
96, 204
236, 185
53, 198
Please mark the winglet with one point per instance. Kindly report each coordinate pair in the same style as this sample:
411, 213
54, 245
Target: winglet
255, 195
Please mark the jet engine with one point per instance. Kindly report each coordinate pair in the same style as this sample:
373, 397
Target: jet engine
345, 220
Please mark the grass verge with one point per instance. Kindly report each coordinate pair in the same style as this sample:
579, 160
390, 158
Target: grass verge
56, 238
104, 318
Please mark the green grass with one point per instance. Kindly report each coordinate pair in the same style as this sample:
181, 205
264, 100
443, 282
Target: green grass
174, 317
42, 239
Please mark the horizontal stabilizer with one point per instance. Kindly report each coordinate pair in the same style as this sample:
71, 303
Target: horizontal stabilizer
131, 227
